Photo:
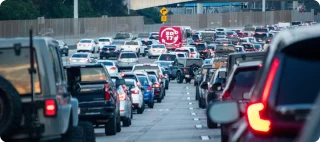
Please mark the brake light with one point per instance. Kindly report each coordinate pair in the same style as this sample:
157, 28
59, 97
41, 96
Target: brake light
157, 85
254, 119
122, 75
270, 78
69, 59
113, 68
153, 50
204, 50
89, 44
226, 95
122, 97
166, 76
86, 59
50, 108
184, 69
79, 44
100, 50
106, 92
116, 50
149, 88
135, 91
160, 75
137, 59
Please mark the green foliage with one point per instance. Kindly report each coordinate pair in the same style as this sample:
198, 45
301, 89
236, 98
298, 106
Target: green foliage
17, 9
152, 15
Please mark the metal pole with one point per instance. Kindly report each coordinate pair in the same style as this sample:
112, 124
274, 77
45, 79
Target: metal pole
128, 7
263, 5
75, 9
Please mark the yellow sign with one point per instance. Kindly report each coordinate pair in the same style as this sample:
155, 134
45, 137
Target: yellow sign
164, 11
163, 18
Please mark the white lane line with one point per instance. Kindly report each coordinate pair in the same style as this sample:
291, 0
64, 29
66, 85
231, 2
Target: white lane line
190, 108
196, 119
160, 109
148, 109
198, 126
167, 110
205, 138
187, 87
193, 113
190, 103
188, 98
188, 93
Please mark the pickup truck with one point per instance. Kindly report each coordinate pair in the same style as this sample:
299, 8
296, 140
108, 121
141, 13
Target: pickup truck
98, 99
134, 46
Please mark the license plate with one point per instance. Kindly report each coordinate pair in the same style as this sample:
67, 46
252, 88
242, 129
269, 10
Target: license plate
187, 75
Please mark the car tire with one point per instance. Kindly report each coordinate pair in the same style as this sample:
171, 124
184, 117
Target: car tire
199, 102
119, 124
144, 54
179, 78
203, 103
210, 124
197, 93
110, 128
88, 131
75, 134
93, 50
10, 103
149, 57
140, 110
126, 122
188, 80
167, 86
159, 100
151, 104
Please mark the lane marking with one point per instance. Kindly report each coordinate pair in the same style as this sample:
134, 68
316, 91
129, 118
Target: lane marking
190, 108
148, 109
160, 109
187, 87
199, 126
188, 98
196, 119
205, 138
193, 113
188, 93
190, 103
167, 109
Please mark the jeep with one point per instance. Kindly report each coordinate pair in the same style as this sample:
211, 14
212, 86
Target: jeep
185, 68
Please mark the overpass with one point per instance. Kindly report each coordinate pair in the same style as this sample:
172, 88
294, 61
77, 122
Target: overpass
141, 4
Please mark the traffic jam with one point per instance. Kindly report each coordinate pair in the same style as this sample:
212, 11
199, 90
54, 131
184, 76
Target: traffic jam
248, 84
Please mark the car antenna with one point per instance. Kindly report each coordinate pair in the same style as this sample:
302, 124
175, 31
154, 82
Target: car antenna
36, 127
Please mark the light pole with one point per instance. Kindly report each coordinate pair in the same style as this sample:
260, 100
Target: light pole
75, 16
263, 5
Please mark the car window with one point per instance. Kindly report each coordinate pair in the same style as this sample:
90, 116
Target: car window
198, 62
143, 80
118, 42
242, 82
104, 40
131, 43
128, 55
79, 55
158, 46
92, 74
167, 57
15, 70
106, 63
302, 75
85, 41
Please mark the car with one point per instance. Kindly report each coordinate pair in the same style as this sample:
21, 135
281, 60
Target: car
144, 36
26, 111
118, 43
206, 61
127, 60
125, 98
167, 57
261, 30
249, 47
103, 41
240, 48
64, 49
199, 74
223, 50
81, 58
231, 34
98, 99
110, 65
185, 50
202, 91
185, 68
194, 52
267, 116
136, 94
156, 50
134, 46
148, 43
203, 50
261, 37
146, 83
124, 36
158, 88
108, 51
235, 58
88, 45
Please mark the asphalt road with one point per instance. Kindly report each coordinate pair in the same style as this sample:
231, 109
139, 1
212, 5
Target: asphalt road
176, 119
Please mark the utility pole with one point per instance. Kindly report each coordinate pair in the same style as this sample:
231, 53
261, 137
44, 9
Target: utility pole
128, 4
75, 16
263, 5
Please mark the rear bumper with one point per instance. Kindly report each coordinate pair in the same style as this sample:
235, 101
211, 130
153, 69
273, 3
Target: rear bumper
157, 93
147, 97
111, 54
126, 64
95, 114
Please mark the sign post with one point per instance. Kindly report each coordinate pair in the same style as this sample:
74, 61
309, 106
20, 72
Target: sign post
164, 11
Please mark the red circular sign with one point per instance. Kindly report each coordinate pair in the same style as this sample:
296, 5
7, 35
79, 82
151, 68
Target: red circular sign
169, 36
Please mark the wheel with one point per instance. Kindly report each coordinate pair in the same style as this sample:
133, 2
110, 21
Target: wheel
199, 102
88, 131
167, 86
197, 93
144, 54
159, 100
149, 57
98, 50
93, 50
140, 110
110, 128
188, 80
74, 134
151, 104
203, 103
119, 124
126, 122
179, 78
101, 58
10, 108
211, 124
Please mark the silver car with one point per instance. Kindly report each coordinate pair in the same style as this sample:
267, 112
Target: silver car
110, 66
81, 58
127, 60
156, 50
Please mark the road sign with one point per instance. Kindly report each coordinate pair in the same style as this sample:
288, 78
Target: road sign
164, 11
163, 18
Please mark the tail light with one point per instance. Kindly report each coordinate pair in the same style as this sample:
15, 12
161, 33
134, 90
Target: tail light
184, 69
50, 108
113, 68
107, 95
89, 44
160, 75
149, 89
116, 50
157, 85
69, 59
254, 111
100, 50
226, 95
122, 97
204, 50
135, 91
122, 75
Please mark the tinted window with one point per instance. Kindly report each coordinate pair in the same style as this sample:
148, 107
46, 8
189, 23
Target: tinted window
104, 40
191, 49
117, 42
131, 43
143, 80
195, 37
198, 62
106, 63
157, 46
248, 46
79, 55
143, 35
154, 68
85, 41
181, 55
93, 74
153, 77
262, 30
167, 57
303, 75
242, 82
230, 33
15, 70
128, 55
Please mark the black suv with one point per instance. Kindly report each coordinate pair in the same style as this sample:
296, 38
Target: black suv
202, 49
109, 51
185, 68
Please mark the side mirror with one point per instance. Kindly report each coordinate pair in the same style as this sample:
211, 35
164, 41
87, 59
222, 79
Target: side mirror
229, 114
120, 82
246, 96
204, 86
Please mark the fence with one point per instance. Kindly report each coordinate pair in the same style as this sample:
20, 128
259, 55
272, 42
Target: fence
74, 29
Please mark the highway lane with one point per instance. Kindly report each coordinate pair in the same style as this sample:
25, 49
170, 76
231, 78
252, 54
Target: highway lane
177, 119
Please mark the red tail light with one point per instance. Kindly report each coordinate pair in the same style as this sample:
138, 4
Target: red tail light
160, 75
100, 50
149, 88
119, 60
113, 68
86, 59
204, 50
115, 50
50, 108
89, 44
193, 52
184, 69
122, 97
157, 85
106, 92
135, 91
226, 95
254, 111
69, 59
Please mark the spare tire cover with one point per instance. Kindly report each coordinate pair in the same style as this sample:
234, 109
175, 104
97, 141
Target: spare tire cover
10, 108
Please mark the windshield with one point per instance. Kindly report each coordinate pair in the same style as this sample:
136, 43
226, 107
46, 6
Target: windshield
220, 33
128, 55
104, 40
295, 23
181, 55
262, 36
195, 37
198, 62
262, 30
106, 63
79, 55
131, 43
199, 46
167, 57
116, 42
143, 35
85, 41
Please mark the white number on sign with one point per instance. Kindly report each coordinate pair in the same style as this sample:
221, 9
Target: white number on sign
169, 35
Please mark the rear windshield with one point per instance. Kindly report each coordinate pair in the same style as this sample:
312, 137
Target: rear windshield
198, 62
147, 42
199, 46
295, 23
15, 70
86, 74
158, 46
225, 48
128, 55
85, 41
122, 35
118, 42
106, 63
242, 82
143, 80
300, 74
191, 49
248, 46
195, 37
104, 40
79, 55
220, 33
230, 33
219, 29
260, 35
167, 57
262, 30
143, 35
181, 55
163, 64
131, 43
153, 77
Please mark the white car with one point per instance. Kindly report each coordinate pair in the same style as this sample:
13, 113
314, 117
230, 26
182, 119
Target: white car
156, 50
184, 50
134, 46
110, 66
194, 52
82, 58
88, 45
136, 94
105, 41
